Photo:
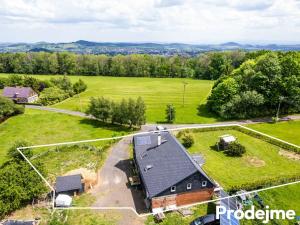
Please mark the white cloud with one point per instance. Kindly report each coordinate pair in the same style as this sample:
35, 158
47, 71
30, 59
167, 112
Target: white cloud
150, 20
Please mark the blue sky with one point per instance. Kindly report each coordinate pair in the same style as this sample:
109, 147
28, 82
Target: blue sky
188, 21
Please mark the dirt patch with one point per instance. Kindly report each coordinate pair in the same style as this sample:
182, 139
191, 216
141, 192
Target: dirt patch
289, 155
90, 178
254, 161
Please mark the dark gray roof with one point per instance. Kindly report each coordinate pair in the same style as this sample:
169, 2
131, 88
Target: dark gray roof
18, 92
19, 222
68, 183
168, 163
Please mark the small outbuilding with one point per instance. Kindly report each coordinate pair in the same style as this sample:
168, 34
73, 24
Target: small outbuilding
225, 140
20, 94
70, 185
63, 201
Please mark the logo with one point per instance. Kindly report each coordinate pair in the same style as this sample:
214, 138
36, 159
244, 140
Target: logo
264, 215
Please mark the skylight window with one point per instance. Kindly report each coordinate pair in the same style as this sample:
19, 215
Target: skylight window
144, 140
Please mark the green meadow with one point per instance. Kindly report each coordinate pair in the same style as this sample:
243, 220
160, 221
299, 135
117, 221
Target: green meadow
40, 127
156, 92
262, 160
287, 131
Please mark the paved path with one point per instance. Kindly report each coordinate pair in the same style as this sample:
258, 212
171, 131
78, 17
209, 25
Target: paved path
113, 189
152, 126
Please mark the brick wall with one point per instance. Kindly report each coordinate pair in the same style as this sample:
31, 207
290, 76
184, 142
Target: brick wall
193, 197
183, 199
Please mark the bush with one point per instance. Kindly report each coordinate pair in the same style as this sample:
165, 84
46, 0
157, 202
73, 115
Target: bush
3, 82
15, 155
79, 86
188, 141
9, 108
52, 95
235, 149
64, 83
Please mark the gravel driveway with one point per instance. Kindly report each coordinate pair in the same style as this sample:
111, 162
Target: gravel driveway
113, 189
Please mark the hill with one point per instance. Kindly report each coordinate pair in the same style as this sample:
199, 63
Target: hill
113, 48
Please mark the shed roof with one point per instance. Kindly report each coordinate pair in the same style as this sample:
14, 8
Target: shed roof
17, 92
165, 165
228, 138
68, 183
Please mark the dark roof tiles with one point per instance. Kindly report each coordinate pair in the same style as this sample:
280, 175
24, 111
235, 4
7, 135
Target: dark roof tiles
68, 183
170, 162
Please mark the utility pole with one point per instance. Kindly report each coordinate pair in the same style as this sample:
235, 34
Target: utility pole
281, 98
183, 97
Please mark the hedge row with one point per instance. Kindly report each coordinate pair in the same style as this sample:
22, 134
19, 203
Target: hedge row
250, 133
250, 186
268, 139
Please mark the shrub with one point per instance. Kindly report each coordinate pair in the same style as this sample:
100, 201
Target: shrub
79, 86
235, 149
15, 155
9, 108
188, 141
52, 95
3, 82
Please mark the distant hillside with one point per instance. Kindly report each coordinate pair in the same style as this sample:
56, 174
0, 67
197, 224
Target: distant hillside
113, 48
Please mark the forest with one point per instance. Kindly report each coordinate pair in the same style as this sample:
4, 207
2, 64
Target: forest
266, 85
209, 65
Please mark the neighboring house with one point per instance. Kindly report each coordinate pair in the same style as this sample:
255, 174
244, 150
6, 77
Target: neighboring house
169, 175
70, 185
19, 222
20, 94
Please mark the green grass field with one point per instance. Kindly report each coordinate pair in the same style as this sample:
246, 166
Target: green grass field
40, 127
156, 92
287, 131
261, 161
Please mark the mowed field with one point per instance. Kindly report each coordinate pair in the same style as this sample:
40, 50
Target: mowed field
288, 131
39, 127
156, 92
262, 160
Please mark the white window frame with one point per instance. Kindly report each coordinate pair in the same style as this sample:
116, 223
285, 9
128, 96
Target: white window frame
189, 186
173, 188
204, 183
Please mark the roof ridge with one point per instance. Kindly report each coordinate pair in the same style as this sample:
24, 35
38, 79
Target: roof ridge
198, 167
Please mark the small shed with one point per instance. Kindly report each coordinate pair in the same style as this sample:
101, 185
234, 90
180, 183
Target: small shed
63, 201
225, 140
20, 94
70, 185
90, 177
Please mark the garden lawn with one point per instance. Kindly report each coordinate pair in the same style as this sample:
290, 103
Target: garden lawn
41, 127
260, 162
287, 131
285, 198
156, 92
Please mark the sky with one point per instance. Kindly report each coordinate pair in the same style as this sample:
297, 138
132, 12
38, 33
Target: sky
185, 21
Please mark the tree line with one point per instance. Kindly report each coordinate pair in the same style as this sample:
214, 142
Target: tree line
19, 183
268, 84
209, 65
127, 112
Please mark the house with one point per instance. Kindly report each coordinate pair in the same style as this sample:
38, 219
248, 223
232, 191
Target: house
20, 94
168, 174
70, 185
19, 222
